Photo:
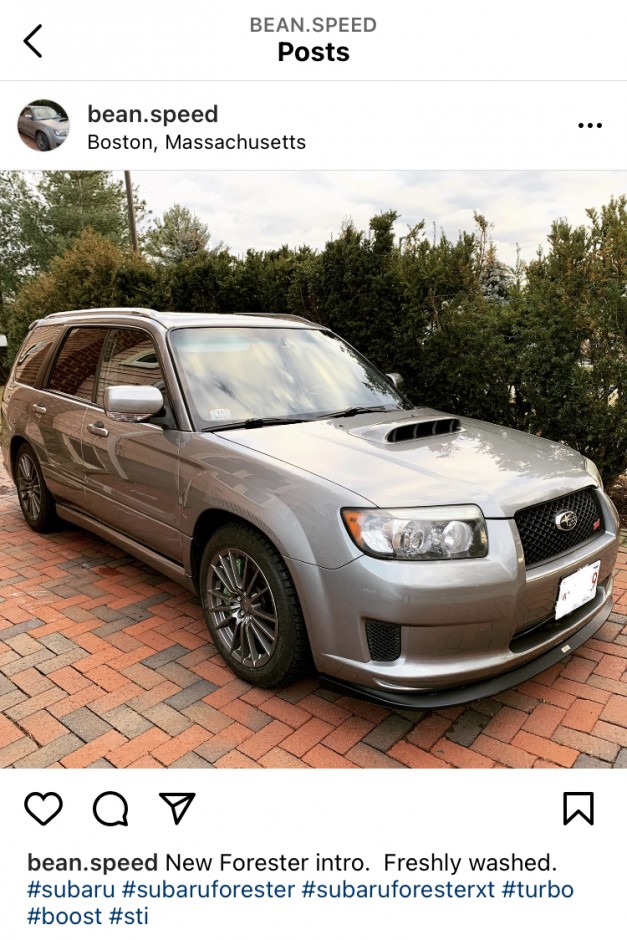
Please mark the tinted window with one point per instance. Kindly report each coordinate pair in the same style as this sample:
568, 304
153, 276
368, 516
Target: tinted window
33, 353
74, 372
130, 358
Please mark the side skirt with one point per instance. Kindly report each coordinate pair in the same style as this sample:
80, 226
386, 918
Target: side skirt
164, 565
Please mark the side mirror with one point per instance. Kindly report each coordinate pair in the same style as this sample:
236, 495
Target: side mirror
395, 378
132, 402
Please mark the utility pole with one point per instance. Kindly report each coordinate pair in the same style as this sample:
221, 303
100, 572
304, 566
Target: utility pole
131, 210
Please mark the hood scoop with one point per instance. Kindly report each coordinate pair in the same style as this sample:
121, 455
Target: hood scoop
411, 429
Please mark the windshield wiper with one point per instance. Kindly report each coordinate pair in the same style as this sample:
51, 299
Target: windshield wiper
265, 422
356, 410
253, 423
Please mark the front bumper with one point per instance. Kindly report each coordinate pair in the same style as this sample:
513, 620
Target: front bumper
467, 628
461, 695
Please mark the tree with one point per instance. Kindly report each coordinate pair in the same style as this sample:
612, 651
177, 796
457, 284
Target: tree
17, 211
92, 273
573, 342
202, 283
264, 279
455, 351
71, 201
178, 235
359, 291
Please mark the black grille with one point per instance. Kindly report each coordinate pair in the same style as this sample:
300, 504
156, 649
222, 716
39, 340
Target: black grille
384, 641
540, 537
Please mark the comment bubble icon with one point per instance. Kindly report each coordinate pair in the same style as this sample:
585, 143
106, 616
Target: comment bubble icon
111, 809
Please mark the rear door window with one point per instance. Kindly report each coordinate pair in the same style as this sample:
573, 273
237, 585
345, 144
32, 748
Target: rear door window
74, 372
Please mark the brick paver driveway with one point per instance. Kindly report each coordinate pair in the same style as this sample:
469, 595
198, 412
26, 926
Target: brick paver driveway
104, 663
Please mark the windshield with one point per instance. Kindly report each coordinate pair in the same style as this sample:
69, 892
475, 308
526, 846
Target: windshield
44, 114
232, 374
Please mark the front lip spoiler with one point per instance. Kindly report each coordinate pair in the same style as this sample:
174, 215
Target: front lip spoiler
462, 695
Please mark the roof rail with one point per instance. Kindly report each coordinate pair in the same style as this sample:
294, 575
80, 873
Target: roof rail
262, 313
139, 311
157, 315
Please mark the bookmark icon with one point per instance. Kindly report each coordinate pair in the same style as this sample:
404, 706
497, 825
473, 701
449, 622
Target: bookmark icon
579, 804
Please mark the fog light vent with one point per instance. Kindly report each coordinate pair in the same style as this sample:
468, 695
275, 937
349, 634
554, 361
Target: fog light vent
384, 640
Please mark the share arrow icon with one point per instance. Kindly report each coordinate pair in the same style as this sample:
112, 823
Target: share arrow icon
179, 803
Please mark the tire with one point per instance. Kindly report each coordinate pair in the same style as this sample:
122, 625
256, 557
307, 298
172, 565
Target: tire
36, 502
42, 141
251, 607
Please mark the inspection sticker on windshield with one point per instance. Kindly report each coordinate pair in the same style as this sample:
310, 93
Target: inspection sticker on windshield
577, 589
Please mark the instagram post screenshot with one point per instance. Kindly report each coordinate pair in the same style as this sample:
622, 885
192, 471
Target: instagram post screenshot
313, 490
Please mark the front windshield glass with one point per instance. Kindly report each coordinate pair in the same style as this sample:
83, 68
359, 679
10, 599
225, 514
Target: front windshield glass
44, 114
232, 374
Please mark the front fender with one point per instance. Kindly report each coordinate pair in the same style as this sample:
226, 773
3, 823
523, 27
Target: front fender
296, 510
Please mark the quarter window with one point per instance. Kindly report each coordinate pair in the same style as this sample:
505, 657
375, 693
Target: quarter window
33, 354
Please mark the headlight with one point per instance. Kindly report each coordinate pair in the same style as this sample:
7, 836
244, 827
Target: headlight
419, 534
60, 133
593, 470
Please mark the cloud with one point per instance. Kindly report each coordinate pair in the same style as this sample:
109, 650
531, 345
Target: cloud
265, 210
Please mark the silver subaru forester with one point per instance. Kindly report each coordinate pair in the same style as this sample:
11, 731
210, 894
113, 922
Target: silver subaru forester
416, 557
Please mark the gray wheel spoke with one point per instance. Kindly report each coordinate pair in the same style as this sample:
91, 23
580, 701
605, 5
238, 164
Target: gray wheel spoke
222, 575
260, 613
233, 572
261, 641
249, 654
249, 586
263, 590
35, 504
243, 575
26, 468
218, 594
233, 634
230, 572
262, 634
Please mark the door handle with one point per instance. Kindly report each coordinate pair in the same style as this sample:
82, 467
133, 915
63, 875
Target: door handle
39, 409
98, 429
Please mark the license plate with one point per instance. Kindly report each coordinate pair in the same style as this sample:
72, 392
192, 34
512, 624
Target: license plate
577, 589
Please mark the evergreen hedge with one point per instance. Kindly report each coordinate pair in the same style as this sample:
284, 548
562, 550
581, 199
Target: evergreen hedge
543, 349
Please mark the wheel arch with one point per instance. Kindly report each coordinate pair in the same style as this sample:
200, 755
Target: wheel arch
14, 446
290, 656
208, 522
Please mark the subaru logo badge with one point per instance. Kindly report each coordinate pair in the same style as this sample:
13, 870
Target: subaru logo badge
566, 521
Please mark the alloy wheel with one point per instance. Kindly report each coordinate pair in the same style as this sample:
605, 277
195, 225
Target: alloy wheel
241, 608
29, 486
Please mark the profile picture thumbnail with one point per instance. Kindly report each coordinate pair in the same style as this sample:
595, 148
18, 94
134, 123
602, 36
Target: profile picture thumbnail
43, 125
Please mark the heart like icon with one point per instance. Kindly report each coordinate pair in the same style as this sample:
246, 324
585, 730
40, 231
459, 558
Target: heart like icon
43, 807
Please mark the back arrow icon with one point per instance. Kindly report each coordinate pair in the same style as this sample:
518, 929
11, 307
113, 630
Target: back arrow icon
30, 36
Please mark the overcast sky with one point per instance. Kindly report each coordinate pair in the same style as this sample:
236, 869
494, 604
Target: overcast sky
265, 210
